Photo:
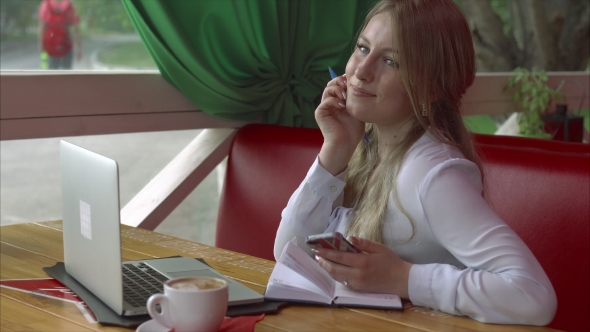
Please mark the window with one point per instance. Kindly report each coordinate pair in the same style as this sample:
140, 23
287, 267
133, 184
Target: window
107, 38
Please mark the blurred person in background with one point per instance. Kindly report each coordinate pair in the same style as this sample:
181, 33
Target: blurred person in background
56, 19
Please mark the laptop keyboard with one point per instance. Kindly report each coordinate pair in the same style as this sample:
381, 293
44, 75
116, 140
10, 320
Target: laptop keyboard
140, 282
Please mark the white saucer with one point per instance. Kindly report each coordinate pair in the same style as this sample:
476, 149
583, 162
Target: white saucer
151, 326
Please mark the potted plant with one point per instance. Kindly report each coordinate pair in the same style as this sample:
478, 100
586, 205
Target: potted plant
533, 96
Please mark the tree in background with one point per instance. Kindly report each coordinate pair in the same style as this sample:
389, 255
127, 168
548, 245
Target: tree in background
535, 34
17, 16
103, 16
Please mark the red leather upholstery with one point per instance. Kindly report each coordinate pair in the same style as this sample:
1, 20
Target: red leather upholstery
542, 194
265, 166
545, 197
535, 143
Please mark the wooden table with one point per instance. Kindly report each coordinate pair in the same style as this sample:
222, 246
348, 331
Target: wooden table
26, 248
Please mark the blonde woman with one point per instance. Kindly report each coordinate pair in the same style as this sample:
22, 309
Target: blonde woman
410, 196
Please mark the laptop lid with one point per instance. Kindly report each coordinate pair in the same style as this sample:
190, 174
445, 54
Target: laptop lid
92, 242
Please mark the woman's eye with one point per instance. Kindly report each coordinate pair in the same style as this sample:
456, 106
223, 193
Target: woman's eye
392, 63
362, 48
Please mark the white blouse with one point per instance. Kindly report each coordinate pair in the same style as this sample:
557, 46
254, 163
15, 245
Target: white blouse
467, 261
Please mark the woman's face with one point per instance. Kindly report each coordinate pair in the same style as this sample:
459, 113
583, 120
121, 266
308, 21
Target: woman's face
375, 92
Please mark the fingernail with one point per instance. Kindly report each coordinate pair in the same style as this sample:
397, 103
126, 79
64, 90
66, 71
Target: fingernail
341, 104
355, 240
317, 258
344, 94
315, 250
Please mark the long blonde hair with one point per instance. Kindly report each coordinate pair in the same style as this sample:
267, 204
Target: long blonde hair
437, 65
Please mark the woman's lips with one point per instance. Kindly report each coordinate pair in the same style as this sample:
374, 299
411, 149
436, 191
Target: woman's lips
360, 92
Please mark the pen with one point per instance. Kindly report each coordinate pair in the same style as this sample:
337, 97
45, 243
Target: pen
333, 75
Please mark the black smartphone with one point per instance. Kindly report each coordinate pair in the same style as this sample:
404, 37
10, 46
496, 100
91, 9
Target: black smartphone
331, 241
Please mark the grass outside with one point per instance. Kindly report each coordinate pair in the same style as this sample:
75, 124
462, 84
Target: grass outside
480, 124
131, 54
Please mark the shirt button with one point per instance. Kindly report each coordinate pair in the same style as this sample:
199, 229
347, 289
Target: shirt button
333, 188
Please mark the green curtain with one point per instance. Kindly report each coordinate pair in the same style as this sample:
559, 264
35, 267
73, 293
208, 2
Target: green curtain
250, 59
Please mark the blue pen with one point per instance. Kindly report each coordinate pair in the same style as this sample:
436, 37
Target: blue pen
332, 73
333, 76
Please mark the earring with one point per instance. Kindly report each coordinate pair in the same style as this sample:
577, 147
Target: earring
424, 110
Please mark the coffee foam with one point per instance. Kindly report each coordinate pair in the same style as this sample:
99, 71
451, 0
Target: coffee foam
197, 284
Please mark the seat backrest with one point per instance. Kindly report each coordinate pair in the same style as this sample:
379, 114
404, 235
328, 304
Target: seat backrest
545, 198
533, 143
265, 165
543, 195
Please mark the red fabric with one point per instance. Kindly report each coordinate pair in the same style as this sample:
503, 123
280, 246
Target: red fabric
239, 324
45, 14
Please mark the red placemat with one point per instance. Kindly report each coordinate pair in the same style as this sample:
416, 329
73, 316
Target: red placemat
239, 324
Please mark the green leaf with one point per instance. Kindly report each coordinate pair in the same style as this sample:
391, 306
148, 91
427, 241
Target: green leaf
526, 87
517, 79
544, 76
525, 103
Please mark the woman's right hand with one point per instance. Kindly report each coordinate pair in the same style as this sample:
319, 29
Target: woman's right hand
342, 132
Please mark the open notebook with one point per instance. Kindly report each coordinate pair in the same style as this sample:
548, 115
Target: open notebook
299, 278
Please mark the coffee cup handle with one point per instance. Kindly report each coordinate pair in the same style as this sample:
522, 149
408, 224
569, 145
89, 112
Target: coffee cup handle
162, 317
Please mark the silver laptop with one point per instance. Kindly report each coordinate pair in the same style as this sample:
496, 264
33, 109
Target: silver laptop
92, 239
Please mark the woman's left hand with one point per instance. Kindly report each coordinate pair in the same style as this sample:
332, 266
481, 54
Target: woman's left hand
376, 270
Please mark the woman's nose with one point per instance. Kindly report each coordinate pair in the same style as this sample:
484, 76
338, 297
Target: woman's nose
365, 70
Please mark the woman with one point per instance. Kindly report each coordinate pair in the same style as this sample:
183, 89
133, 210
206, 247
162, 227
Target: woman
410, 195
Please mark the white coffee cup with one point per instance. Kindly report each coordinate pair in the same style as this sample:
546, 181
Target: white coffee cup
191, 304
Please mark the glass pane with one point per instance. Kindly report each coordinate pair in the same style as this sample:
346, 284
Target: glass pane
33, 37
30, 182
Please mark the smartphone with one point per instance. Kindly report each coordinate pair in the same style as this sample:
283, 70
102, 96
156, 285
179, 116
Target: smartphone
331, 241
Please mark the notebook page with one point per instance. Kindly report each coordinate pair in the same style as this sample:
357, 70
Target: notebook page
284, 283
298, 261
344, 295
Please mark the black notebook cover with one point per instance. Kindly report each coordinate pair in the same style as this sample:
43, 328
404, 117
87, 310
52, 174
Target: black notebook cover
106, 316
335, 305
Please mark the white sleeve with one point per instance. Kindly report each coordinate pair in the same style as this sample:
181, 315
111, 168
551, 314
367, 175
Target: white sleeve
502, 282
311, 209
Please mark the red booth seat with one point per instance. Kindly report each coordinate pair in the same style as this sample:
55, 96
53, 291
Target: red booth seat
533, 143
542, 194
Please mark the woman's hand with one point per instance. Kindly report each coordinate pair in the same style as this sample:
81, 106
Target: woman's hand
376, 270
342, 132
